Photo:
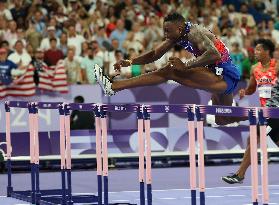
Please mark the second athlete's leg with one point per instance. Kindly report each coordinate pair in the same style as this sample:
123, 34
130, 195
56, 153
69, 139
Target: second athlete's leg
198, 78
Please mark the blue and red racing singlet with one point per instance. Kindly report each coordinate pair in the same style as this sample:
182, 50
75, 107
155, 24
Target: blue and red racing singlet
224, 66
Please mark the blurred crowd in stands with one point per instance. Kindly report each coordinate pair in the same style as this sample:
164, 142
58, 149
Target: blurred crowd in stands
79, 34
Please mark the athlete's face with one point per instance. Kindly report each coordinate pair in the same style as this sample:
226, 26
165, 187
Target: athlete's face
172, 31
260, 52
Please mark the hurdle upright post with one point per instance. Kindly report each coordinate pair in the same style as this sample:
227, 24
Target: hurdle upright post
264, 158
141, 155
99, 153
254, 156
9, 148
104, 152
146, 117
62, 152
200, 155
192, 155
36, 152
32, 151
68, 154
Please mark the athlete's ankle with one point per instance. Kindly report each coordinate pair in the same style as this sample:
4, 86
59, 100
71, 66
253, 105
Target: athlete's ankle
240, 174
113, 86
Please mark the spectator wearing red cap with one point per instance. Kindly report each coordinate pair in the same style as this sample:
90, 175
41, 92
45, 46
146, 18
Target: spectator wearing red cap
53, 55
6, 45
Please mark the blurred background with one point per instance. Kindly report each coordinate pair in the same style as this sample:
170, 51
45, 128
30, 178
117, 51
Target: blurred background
54, 44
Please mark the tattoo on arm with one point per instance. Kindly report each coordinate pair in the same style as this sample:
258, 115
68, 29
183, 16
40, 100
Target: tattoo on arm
204, 44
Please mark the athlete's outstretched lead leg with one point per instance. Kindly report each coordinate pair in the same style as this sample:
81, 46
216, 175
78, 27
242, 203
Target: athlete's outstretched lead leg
197, 78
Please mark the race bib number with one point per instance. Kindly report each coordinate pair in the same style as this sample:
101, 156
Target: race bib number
218, 71
265, 91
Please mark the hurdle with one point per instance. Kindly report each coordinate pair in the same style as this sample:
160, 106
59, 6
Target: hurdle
35, 195
103, 111
188, 110
251, 114
264, 113
143, 112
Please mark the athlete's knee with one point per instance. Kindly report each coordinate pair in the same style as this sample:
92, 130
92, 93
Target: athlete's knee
165, 72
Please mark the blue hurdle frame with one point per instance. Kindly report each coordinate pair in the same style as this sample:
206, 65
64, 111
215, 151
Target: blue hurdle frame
47, 197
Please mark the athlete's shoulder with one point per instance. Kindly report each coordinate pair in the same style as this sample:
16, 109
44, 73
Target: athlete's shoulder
255, 67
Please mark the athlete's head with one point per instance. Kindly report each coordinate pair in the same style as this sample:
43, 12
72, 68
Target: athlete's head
174, 24
264, 49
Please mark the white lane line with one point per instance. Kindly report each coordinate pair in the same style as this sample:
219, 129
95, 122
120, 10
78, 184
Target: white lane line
121, 201
167, 190
235, 195
214, 196
167, 198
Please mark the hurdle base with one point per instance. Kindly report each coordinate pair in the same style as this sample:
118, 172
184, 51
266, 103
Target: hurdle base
202, 198
53, 197
38, 196
193, 197
149, 194
9, 191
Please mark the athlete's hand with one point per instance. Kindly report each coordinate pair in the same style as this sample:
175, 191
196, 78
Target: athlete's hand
241, 93
176, 63
122, 63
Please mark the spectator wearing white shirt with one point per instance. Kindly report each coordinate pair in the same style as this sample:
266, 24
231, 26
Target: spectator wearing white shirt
4, 11
45, 44
109, 56
11, 34
20, 56
74, 39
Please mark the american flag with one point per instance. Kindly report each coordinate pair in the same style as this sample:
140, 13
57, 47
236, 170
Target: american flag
24, 86
53, 78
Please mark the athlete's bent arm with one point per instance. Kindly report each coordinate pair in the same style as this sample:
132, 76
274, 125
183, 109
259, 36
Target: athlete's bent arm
154, 54
148, 57
252, 86
210, 53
